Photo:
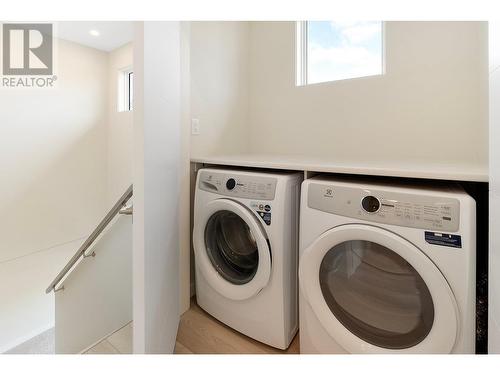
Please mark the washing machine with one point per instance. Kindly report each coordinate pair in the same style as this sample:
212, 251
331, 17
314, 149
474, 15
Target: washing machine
245, 240
386, 268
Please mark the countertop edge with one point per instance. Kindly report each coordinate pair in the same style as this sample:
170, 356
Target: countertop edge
344, 168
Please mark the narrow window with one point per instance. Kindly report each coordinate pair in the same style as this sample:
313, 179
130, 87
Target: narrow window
125, 90
330, 51
130, 100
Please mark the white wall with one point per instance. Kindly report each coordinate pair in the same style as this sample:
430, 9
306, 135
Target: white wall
219, 63
157, 150
120, 128
185, 171
430, 107
53, 145
25, 310
53, 172
97, 295
494, 209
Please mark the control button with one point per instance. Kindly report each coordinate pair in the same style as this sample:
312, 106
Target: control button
230, 184
370, 204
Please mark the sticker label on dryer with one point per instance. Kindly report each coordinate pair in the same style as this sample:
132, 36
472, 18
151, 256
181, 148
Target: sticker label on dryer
443, 239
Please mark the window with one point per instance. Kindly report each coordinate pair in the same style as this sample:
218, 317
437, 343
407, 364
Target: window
130, 101
330, 51
126, 90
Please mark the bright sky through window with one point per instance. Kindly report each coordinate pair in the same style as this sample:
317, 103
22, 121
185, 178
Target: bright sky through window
342, 50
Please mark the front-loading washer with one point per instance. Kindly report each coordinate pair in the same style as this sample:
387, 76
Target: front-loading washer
386, 268
245, 240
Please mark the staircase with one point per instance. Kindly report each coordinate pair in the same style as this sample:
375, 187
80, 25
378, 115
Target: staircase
93, 291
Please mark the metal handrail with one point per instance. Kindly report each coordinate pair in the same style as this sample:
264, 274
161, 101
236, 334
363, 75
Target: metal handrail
93, 236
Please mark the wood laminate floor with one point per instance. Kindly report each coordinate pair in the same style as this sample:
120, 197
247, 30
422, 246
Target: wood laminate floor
200, 333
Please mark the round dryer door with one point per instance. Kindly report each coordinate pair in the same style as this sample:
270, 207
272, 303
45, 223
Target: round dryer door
375, 292
231, 249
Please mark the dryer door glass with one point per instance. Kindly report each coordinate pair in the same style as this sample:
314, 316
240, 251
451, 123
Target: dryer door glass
376, 294
231, 247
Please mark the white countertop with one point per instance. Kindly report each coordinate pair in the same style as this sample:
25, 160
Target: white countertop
395, 169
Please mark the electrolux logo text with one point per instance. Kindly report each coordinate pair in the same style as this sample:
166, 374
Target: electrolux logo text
28, 55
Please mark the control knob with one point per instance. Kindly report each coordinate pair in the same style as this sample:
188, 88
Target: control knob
370, 204
230, 184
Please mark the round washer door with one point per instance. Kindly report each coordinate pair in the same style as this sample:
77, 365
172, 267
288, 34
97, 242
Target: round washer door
375, 292
231, 249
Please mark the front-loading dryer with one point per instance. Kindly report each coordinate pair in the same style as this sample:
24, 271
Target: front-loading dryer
386, 268
245, 240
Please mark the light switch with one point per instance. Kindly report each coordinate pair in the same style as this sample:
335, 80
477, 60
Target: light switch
195, 126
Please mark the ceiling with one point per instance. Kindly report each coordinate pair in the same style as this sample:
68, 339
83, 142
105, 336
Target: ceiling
112, 34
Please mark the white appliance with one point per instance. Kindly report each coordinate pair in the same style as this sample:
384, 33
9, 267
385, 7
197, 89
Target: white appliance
386, 268
245, 241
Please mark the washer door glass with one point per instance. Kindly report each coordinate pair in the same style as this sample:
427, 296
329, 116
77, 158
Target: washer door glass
231, 247
376, 294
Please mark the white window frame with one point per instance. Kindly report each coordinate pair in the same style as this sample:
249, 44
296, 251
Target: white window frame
301, 53
125, 96
129, 90
301, 36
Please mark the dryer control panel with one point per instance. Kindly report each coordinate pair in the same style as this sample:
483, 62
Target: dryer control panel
398, 208
238, 186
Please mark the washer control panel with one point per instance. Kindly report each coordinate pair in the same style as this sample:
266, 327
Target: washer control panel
426, 211
238, 186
